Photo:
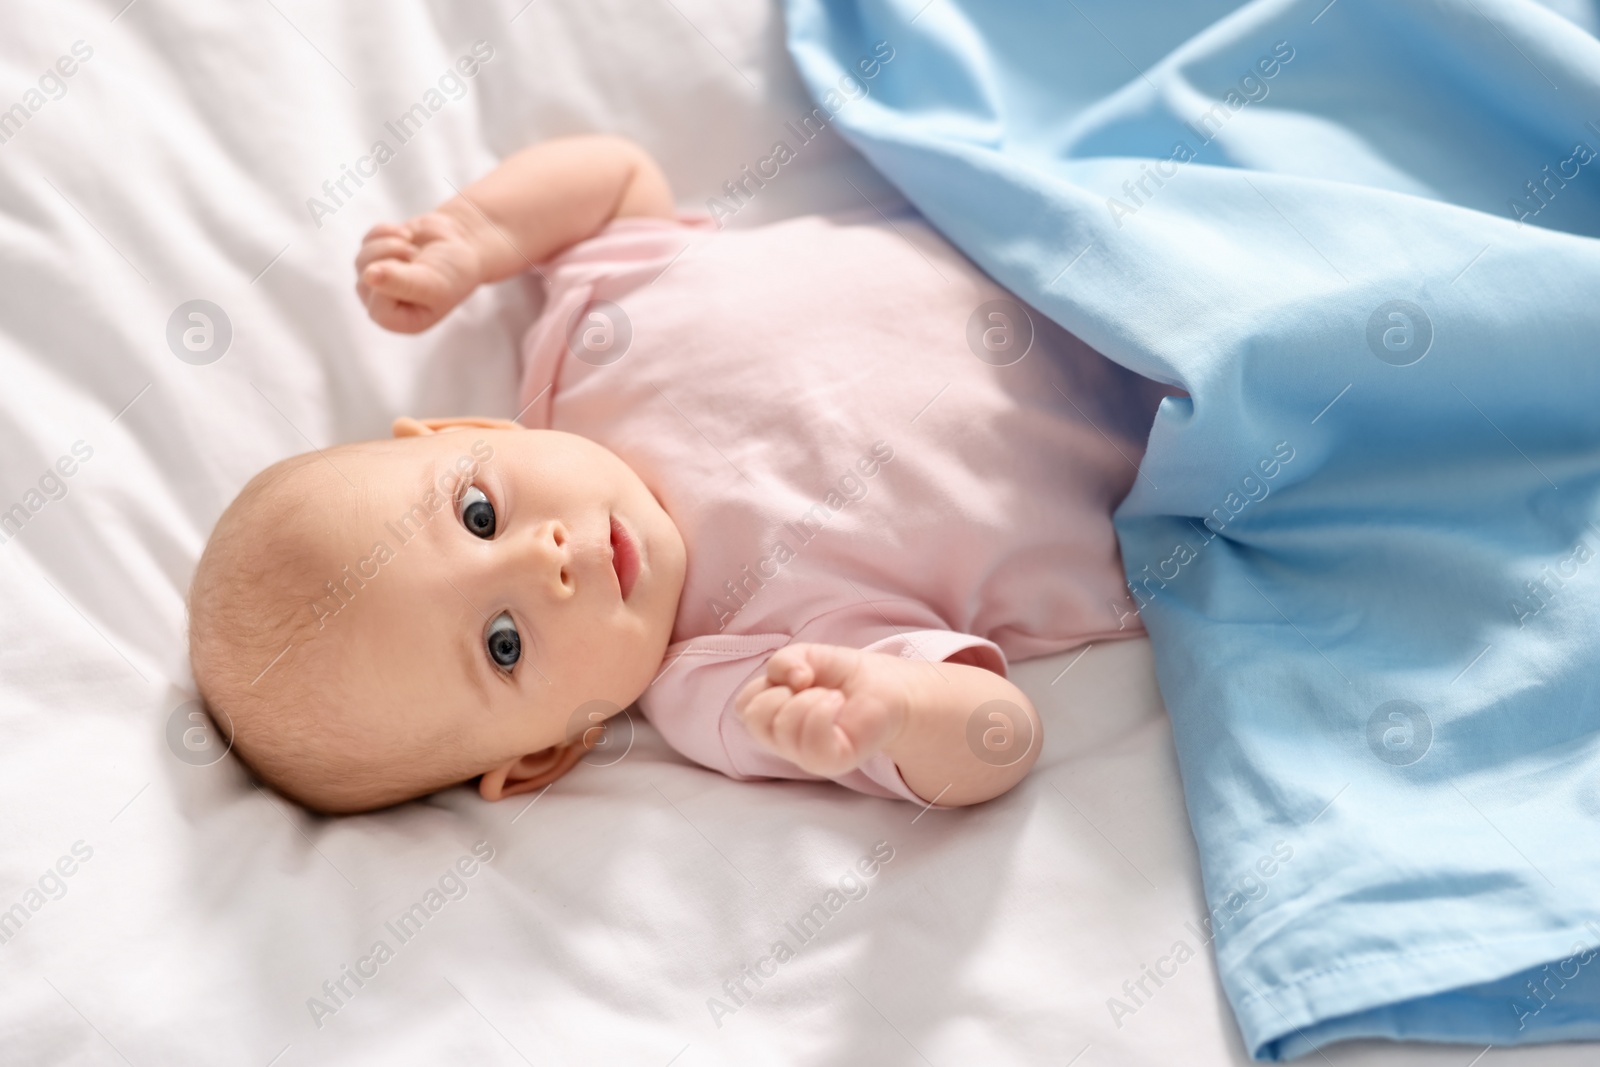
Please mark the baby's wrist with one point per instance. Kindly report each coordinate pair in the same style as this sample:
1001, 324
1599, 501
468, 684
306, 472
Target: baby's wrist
904, 693
480, 235
934, 751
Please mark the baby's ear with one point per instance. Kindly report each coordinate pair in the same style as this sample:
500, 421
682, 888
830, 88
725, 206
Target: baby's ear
527, 773
406, 426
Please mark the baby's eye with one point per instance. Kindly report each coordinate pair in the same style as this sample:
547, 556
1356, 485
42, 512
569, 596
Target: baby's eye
477, 514
503, 641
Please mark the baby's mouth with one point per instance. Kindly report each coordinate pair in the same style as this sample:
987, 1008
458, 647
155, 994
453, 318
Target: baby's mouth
624, 557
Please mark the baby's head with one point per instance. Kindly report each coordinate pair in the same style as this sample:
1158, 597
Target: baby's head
377, 621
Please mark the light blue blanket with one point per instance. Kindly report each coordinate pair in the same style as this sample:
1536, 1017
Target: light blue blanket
1360, 236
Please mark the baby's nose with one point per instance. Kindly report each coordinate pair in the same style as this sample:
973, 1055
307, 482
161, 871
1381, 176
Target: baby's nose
546, 552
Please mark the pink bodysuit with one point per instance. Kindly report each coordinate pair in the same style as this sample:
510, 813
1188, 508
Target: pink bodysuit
808, 402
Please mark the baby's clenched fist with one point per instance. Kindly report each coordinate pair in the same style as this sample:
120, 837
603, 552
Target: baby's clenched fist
826, 708
410, 275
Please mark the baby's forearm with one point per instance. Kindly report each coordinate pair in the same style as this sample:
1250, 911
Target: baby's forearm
553, 195
969, 734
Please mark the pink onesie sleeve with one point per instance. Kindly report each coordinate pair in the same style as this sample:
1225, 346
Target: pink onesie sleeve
633, 252
691, 700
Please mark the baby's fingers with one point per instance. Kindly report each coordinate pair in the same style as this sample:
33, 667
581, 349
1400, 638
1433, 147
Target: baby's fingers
827, 746
759, 709
756, 685
388, 229
407, 283
863, 727
374, 249
751, 688
790, 722
434, 226
401, 317
789, 666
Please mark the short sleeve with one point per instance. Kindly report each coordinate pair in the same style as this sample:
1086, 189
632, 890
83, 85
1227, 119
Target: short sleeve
691, 703
627, 253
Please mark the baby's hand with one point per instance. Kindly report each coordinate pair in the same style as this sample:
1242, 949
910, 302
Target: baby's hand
824, 707
409, 276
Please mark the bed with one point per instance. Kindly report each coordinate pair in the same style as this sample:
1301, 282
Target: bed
181, 193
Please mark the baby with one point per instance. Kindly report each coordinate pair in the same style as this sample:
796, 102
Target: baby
798, 490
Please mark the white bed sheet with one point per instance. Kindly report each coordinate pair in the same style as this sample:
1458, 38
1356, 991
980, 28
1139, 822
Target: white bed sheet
175, 165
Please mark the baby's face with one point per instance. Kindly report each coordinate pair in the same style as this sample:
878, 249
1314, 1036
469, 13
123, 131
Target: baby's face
550, 580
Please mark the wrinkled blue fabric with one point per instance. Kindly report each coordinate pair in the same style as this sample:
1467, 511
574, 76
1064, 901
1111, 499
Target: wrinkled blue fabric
1366, 545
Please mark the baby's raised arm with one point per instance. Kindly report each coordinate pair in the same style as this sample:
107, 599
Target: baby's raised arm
828, 709
532, 206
